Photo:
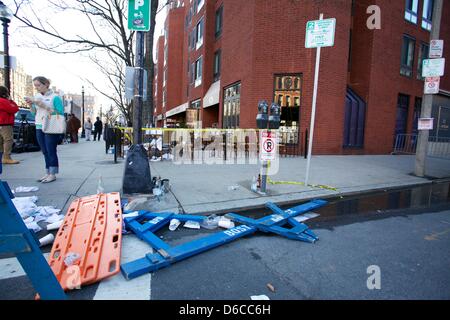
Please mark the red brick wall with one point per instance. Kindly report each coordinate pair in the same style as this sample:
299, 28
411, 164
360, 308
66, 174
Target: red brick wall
159, 79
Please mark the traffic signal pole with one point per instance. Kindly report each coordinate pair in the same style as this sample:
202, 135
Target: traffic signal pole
427, 102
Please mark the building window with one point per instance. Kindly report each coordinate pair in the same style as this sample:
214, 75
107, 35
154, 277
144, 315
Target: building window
217, 63
287, 93
411, 10
219, 16
198, 72
192, 72
199, 33
200, 4
407, 59
423, 54
232, 106
427, 14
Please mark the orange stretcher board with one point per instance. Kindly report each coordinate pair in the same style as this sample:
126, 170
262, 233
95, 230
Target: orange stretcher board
92, 230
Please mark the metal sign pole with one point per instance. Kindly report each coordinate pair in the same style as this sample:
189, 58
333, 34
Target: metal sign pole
313, 111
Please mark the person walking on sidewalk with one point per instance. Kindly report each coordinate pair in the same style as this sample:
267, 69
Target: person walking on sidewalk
45, 103
98, 127
8, 109
73, 125
88, 129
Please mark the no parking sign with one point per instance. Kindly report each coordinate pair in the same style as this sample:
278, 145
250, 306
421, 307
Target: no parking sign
432, 85
268, 145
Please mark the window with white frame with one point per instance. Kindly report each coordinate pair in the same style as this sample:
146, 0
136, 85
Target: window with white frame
200, 4
199, 33
411, 10
407, 59
198, 71
427, 14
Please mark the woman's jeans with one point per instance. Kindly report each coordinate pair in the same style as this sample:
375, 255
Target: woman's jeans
48, 144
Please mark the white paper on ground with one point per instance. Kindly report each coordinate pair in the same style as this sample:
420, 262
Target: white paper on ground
54, 218
25, 206
260, 297
174, 223
33, 226
26, 189
306, 216
192, 224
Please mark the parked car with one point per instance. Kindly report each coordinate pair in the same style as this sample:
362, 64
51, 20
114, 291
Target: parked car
24, 131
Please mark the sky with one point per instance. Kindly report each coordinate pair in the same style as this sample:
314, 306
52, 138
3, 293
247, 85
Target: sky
66, 71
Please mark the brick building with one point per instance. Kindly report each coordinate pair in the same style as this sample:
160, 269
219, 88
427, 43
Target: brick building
219, 58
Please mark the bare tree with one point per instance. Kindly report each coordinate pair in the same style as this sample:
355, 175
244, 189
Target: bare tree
109, 44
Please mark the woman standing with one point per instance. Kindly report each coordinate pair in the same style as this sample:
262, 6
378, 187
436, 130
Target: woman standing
45, 103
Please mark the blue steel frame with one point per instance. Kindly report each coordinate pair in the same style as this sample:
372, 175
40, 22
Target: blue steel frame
16, 238
166, 255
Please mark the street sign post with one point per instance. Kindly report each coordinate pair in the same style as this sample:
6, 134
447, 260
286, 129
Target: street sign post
425, 124
139, 15
433, 67
432, 85
319, 33
436, 49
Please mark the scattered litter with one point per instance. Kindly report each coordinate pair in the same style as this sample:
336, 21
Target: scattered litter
271, 287
165, 185
192, 224
141, 202
28, 220
25, 205
47, 211
46, 240
71, 258
254, 186
54, 218
232, 188
174, 223
261, 297
33, 226
155, 159
226, 223
26, 189
211, 222
306, 216
131, 214
54, 226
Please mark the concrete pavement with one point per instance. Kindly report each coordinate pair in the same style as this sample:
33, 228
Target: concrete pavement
205, 188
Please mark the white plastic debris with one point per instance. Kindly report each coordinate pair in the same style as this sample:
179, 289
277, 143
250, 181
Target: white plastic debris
46, 240
192, 224
54, 218
226, 223
260, 297
232, 188
33, 226
100, 188
25, 205
174, 223
26, 189
130, 215
71, 258
306, 216
54, 226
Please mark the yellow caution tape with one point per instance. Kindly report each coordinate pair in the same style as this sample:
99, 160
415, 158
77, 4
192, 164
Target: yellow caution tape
321, 186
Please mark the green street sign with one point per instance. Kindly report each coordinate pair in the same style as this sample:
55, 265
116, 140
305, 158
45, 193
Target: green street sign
320, 33
139, 15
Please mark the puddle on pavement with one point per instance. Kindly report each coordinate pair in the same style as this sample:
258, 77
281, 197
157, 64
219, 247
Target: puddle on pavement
425, 198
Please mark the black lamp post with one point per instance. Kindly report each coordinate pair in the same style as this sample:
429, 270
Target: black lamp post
5, 17
82, 113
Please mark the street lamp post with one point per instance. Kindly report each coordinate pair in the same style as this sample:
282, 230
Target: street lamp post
83, 135
5, 17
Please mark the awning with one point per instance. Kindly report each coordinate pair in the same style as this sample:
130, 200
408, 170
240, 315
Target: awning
212, 96
181, 108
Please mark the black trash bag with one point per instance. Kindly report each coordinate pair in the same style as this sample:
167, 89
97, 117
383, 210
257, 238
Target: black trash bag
137, 177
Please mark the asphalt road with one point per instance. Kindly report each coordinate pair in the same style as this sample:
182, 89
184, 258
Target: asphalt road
409, 248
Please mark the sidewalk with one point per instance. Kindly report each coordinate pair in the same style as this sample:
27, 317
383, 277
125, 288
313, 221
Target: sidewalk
205, 188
